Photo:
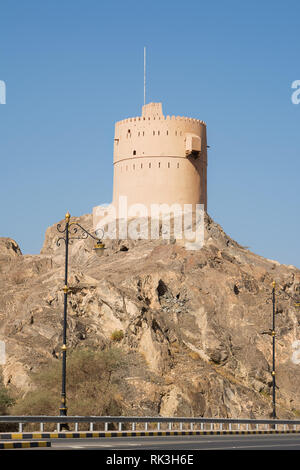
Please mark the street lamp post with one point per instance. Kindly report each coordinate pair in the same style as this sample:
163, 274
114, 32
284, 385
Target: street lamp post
70, 229
273, 338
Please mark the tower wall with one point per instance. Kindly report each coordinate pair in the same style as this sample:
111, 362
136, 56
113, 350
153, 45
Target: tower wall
160, 159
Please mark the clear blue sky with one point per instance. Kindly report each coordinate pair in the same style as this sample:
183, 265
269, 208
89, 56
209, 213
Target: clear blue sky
74, 67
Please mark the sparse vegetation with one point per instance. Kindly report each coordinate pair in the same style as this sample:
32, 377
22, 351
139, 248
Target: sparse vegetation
6, 401
117, 335
92, 378
265, 394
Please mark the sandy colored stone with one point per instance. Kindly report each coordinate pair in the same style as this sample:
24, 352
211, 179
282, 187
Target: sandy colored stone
195, 324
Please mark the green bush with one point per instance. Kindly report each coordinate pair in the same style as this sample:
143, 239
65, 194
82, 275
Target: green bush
6, 402
117, 335
91, 386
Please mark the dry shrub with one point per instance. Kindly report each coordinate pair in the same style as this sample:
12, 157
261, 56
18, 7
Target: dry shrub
6, 402
91, 387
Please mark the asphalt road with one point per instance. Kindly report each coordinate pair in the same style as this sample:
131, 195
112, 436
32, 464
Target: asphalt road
233, 442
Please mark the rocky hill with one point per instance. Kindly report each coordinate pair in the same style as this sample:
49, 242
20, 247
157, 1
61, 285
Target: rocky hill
197, 323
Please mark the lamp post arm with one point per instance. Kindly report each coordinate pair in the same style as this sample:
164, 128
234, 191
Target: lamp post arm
74, 226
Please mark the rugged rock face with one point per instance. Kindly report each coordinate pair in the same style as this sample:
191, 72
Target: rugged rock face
198, 322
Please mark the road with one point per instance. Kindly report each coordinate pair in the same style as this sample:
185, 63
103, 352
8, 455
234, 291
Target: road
221, 442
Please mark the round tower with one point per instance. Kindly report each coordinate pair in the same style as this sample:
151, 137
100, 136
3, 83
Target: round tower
160, 160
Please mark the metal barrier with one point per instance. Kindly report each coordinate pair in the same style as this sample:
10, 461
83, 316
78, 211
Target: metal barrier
156, 423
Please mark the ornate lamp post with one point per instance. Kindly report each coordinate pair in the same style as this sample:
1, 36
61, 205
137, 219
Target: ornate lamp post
273, 340
71, 229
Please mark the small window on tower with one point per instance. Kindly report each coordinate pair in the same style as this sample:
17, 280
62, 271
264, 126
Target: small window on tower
158, 164
168, 164
134, 152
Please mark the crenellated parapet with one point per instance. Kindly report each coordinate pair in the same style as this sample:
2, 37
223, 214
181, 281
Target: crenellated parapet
158, 118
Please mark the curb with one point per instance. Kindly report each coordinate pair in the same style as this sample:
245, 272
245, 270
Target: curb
24, 445
84, 435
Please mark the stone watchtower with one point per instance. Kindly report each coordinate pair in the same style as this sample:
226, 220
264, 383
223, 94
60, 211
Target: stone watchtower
160, 159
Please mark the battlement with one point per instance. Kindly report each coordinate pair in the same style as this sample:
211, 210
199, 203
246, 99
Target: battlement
153, 112
163, 118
